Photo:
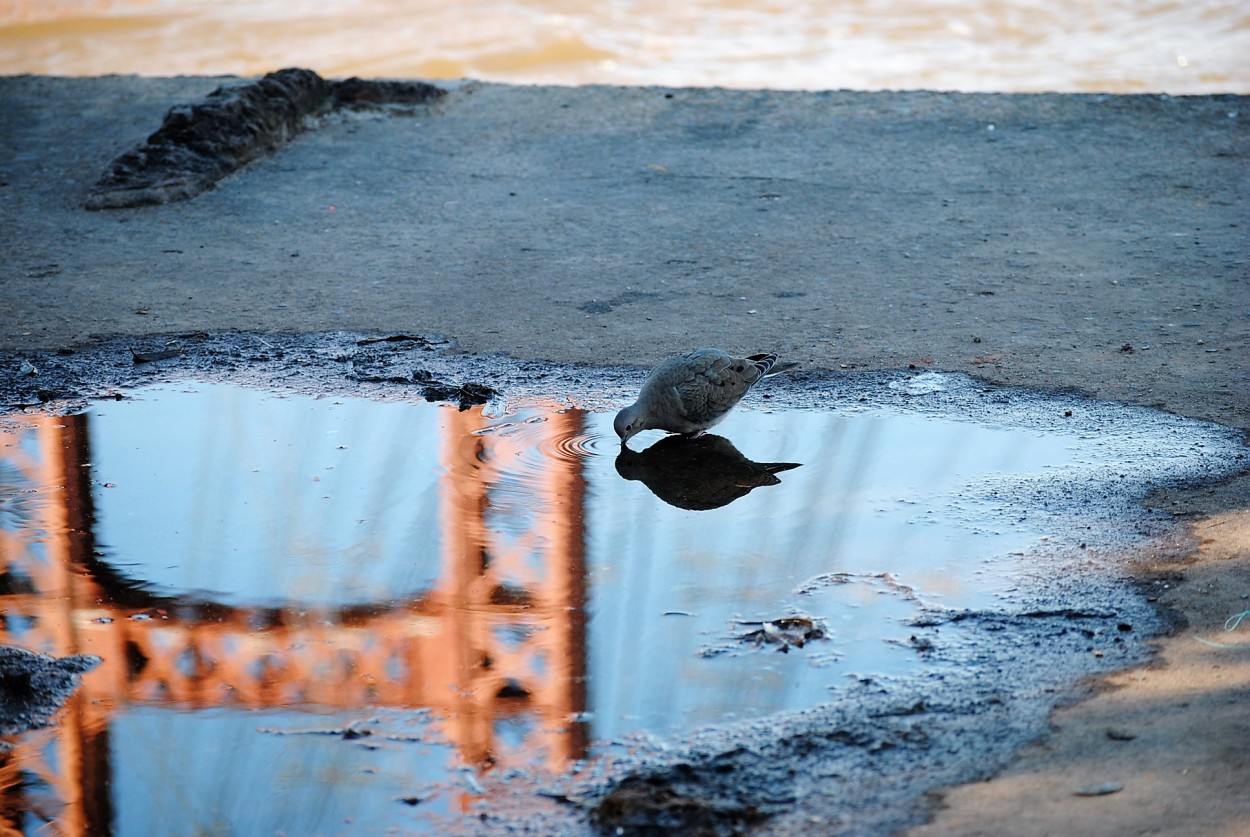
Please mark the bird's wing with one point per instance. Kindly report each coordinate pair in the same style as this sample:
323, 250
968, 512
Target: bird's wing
711, 385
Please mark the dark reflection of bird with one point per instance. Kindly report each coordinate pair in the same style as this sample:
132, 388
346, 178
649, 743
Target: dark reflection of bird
691, 393
697, 474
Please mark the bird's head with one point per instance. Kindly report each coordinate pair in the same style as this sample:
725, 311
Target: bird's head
629, 423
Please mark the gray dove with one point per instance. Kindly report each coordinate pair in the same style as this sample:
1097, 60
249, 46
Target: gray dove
691, 393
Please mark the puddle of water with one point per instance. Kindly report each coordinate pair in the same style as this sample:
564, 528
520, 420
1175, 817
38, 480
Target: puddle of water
269, 772
340, 614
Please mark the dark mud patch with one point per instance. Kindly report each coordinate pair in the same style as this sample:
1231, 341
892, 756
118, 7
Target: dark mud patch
665, 804
198, 144
34, 686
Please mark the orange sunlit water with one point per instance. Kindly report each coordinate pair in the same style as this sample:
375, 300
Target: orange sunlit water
1122, 46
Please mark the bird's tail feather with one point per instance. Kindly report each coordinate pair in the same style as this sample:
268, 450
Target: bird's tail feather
768, 365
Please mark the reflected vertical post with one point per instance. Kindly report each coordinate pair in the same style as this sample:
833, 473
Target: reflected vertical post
528, 583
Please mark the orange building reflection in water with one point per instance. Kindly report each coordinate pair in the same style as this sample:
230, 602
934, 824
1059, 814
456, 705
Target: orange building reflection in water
501, 634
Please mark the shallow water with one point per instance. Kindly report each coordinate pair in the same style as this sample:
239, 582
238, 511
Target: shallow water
1121, 46
312, 610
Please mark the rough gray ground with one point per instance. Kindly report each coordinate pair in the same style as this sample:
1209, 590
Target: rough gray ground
1088, 242
34, 686
620, 225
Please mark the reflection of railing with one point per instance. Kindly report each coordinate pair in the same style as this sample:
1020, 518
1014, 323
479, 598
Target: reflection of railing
36, 560
501, 633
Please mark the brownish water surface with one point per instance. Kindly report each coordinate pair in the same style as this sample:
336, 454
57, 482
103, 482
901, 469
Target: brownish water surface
1121, 46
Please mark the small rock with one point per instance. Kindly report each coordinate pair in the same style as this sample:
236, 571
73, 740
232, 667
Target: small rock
1105, 789
151, 357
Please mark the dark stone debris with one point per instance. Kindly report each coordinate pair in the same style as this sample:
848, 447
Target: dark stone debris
34, 686
198, 144
651, 806
466, 395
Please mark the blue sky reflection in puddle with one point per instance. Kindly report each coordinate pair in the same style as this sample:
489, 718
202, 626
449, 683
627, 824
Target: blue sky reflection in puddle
342, 596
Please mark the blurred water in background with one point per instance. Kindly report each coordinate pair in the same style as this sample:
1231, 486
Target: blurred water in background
1120, 46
